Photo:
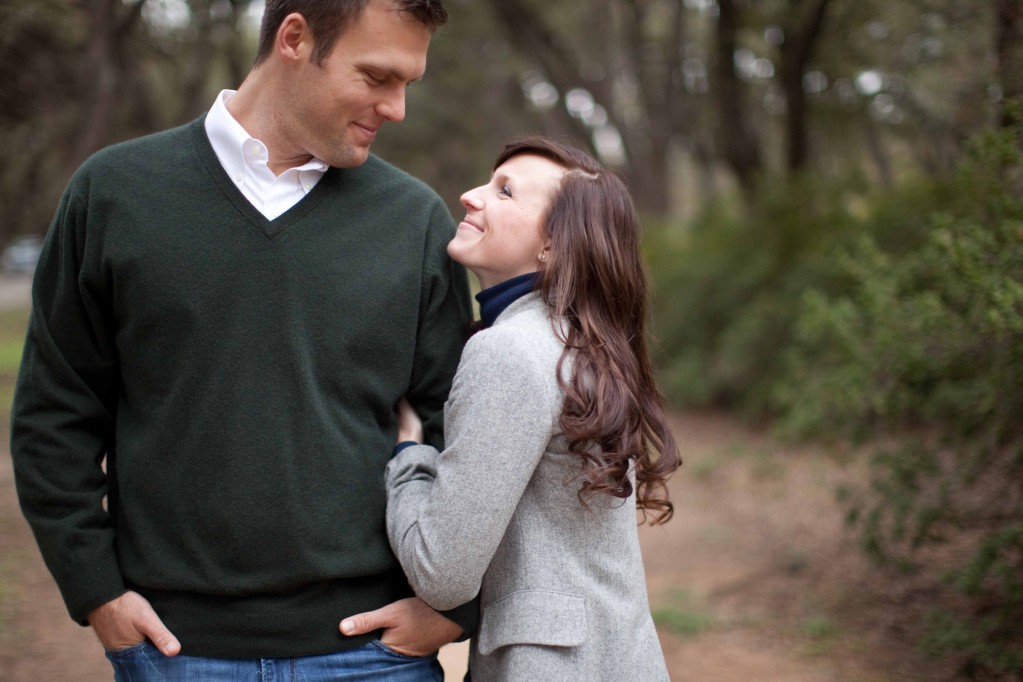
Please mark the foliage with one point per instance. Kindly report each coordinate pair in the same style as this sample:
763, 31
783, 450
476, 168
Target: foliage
459, 118
888, 88
37, 45
727, 288
931, 339
81, 75
896, 319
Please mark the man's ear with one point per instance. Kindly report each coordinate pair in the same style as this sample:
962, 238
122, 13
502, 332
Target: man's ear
294, 39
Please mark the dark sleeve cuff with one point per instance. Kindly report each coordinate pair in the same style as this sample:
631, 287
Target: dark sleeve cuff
402, 445
467, 615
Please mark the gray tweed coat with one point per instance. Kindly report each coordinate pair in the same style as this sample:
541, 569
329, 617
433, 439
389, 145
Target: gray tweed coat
562, 590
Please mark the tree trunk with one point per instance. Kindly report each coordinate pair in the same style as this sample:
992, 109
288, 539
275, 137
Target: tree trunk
796, 52
741, 148
109, 29
1009, 49
528, 32
875, 146
238, 57
659, 94
98, 63
200, 61
647, 146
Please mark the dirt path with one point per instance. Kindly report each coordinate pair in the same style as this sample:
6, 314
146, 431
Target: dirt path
757, 577
754, 580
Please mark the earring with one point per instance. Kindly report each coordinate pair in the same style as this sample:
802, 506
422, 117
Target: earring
543, 257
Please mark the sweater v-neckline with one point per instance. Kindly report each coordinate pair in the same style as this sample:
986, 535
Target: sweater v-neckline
269, 228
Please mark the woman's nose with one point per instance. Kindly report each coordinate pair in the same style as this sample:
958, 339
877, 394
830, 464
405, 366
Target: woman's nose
471, 198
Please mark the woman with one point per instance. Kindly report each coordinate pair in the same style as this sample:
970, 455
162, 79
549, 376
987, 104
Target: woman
555, 433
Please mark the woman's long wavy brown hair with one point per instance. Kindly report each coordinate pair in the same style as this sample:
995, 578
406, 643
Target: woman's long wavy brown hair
594, 278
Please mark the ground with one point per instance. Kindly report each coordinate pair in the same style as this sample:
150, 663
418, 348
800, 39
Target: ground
758, 576
755, 579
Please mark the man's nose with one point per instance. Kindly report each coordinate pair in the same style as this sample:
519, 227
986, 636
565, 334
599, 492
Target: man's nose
392, 107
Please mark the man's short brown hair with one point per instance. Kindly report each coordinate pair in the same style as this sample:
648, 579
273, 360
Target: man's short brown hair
328, 19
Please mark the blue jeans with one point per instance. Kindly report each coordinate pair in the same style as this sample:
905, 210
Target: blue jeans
374, 662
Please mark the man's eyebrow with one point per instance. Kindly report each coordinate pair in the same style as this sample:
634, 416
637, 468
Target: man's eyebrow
390, 72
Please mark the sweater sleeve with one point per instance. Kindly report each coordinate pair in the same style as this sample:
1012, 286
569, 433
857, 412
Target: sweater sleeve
447, 512
62, 418
444, 318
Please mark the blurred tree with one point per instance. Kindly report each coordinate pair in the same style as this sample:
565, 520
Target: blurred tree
738, 138
655, 40
106, 58
799, 39
220, 52
729, 83
917, 79
81, 75
686, 97
38, 65
1009, 51
618, 66
468, 105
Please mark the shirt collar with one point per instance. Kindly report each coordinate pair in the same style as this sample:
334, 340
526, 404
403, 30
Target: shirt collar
495, 299
228, 138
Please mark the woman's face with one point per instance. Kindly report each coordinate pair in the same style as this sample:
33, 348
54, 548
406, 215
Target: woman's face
501, 235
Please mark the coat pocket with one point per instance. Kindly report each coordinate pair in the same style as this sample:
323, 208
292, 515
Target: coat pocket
533, 617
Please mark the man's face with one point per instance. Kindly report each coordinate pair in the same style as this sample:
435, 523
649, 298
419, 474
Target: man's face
338, 106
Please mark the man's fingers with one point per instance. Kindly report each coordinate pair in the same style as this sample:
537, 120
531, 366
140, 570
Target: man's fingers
361, 623
152, 627
129, 619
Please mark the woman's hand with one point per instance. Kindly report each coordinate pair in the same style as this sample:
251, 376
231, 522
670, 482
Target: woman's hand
410, 426
410, 626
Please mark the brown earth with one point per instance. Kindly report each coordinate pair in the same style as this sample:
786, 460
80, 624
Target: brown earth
755, 579
760, 557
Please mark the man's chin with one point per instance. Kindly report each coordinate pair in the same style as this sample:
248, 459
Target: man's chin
350, 157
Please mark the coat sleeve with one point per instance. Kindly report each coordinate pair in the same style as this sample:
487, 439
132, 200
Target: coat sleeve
447, 512
62, 417
444, 318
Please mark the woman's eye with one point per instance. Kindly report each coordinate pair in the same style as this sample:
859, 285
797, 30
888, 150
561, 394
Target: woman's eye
505, 191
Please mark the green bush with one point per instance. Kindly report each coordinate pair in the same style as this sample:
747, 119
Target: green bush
929, 340
896, 319
727, 290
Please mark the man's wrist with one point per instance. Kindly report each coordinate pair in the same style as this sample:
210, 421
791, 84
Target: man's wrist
83, 612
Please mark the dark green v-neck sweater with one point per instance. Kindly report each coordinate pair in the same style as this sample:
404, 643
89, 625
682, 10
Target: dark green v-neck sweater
239, 375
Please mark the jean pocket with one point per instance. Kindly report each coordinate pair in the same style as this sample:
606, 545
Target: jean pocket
397, 654
128, 651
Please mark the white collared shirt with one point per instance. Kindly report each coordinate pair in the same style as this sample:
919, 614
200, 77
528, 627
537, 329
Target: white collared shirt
245, 158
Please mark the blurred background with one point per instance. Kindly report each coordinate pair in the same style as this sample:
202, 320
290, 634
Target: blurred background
833, 199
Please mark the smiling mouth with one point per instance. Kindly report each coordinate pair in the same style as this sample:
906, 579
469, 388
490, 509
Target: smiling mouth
470, 224
366, 130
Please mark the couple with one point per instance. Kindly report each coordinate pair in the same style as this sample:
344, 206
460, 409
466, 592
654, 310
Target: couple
241, 317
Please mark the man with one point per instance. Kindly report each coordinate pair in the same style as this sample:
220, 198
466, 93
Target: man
228, 313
